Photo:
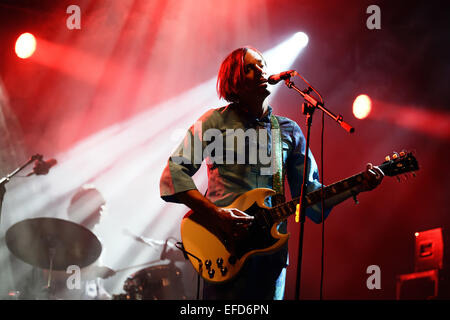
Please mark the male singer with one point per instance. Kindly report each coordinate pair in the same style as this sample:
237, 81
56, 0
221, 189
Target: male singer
242, 81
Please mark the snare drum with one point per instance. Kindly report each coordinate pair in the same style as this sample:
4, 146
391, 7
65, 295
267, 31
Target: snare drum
161, 282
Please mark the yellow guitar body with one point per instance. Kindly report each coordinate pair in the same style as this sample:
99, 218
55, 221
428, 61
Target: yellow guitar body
209, 253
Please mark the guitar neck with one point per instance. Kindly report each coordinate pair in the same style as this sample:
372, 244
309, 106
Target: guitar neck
283, 211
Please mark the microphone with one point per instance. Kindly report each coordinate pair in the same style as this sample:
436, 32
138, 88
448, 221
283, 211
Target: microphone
42, 167
275, 78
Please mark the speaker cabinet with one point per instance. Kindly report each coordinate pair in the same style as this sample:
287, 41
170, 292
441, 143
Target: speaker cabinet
431, 277
429, 250
418, 286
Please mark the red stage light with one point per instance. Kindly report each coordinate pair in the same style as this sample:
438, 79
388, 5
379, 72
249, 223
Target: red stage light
362, 106
25, 45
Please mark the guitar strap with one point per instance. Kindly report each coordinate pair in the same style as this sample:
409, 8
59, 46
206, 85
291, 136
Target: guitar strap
277, 161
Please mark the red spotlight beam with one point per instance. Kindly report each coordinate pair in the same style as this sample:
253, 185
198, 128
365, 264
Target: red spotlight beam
76, 63
432, 123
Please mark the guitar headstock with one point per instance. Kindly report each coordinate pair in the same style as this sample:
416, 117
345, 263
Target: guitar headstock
399, 163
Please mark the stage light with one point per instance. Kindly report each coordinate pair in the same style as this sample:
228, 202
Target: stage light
362, 106
25, 45
301, 38
281, 57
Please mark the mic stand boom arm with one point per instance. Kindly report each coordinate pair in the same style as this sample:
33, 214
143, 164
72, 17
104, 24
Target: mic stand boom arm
5, 180
308, 109
316, 104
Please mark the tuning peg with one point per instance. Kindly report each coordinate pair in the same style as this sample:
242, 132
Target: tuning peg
387, 158
402, 153
395, 155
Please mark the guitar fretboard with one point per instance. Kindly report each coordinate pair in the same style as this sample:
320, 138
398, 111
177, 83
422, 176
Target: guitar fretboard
283, 211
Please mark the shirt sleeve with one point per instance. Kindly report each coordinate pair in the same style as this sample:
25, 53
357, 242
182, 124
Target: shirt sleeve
294, 173
182, 165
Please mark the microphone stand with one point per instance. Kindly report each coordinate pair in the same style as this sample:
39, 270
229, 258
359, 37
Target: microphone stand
308, 109
6, 179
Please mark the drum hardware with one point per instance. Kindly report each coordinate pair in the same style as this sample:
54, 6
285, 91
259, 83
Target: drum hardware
155, 282
52, 244
7, 178
160, 282
41, 167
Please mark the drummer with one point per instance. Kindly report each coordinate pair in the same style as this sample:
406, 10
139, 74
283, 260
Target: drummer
87, 207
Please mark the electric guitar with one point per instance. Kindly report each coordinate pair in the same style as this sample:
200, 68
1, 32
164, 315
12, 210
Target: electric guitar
218, 256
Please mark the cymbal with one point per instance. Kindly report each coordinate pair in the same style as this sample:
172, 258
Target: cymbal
36, 240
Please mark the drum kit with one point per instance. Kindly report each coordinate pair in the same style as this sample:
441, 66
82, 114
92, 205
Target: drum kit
56, 244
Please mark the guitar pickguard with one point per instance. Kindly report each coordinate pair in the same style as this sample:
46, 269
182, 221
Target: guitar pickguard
258, 236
